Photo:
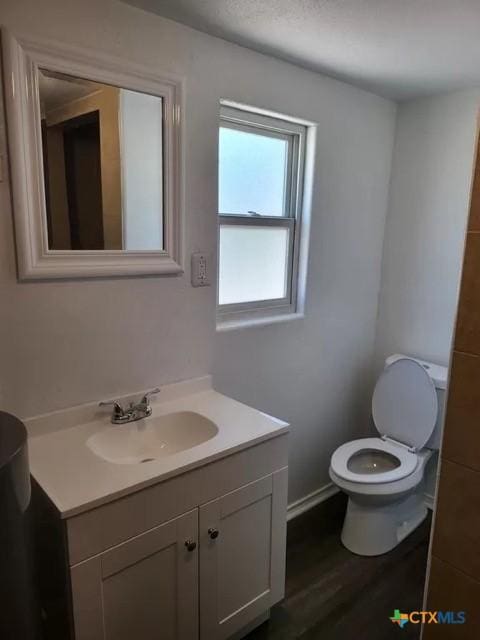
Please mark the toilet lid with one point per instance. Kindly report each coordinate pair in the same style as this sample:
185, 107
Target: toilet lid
405, 404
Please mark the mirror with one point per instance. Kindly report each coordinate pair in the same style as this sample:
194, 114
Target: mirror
102, 165
96, 167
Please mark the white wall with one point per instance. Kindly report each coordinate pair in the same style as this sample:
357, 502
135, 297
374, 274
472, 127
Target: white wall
424, 235
317, 372
141, 160
63, 343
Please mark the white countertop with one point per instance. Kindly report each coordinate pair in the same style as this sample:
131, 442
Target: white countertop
76, 480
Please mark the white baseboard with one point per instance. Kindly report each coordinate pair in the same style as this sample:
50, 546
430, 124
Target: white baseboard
327, 491
311, 500
429, 500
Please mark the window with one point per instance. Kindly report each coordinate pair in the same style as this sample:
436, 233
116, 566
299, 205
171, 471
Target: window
260, 183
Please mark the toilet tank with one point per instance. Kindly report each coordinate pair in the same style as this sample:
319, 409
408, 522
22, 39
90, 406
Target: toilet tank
439, 376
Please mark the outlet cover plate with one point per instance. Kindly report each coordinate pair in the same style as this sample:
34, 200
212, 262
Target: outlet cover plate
200, 270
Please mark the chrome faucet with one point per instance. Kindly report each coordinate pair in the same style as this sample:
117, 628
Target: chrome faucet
134, 411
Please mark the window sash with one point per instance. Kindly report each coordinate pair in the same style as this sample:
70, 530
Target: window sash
292, 133
266, 122
289, 168
295, 134
263, 221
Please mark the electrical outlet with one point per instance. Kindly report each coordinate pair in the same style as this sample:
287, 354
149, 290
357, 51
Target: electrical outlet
200, 271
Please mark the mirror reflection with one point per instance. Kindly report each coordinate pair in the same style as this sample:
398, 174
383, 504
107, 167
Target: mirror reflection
102, 160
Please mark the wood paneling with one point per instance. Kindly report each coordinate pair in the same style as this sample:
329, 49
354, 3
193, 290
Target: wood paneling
474, 221
455, 571
457, 527
452, 590
462, 432
467, 337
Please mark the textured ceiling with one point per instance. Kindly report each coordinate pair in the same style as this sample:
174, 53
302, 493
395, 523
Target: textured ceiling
397, 48
56, 90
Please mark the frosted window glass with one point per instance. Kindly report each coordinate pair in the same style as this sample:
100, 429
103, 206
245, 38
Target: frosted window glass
252, 170
253, 263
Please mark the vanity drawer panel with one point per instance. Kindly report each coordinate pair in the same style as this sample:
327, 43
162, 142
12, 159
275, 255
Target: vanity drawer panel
113, 523
95, 531
239, 469
145, 545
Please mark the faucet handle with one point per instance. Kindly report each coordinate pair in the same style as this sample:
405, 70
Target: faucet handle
117, 407
148, 394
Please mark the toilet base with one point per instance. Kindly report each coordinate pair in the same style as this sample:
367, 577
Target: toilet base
372, 529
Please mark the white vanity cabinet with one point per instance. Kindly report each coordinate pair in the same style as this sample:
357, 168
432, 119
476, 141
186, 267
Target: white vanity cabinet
242, 555
144, 588
198, 556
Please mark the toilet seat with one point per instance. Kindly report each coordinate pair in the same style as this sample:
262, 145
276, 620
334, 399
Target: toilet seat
405, 403
407, 461
383, 476
404, 411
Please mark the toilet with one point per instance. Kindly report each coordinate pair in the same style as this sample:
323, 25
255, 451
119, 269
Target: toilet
383, 476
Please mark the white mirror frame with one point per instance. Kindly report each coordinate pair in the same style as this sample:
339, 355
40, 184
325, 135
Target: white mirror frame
22, 59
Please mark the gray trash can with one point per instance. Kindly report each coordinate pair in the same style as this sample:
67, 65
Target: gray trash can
18, 610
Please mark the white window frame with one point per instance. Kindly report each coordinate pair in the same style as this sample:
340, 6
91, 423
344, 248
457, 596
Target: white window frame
295, 133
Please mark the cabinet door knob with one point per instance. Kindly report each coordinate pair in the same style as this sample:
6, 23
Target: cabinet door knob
213, 533
191, 545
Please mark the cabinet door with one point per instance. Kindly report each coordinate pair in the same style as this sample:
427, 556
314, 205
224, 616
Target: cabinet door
242, 555
145, 588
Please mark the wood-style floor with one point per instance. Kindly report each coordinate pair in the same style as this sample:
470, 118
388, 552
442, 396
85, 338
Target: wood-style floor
332, 594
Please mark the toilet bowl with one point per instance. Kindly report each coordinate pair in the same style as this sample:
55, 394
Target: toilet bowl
383, 476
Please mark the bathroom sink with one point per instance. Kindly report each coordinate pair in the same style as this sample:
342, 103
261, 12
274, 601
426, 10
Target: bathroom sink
151, 438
